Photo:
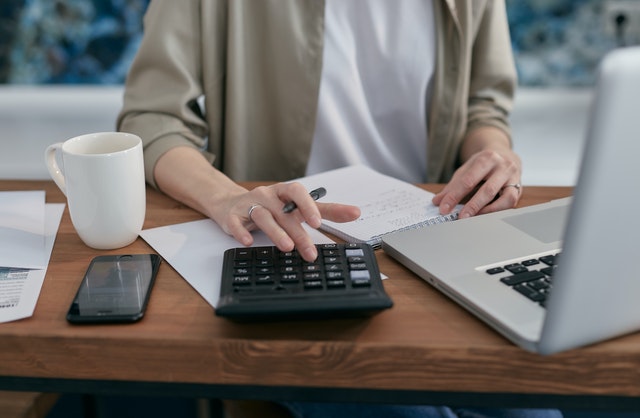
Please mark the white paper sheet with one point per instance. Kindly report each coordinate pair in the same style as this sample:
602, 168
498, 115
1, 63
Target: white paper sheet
19, 287
195, 249
22, 227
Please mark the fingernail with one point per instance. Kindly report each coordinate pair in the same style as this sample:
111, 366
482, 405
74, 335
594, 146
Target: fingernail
286, 244
315, 222
310, 253
445, 208
464, 215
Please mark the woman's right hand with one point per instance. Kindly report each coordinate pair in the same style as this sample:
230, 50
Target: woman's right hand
184, 174
262, 208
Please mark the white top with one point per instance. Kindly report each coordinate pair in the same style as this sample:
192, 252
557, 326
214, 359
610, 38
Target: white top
377, 68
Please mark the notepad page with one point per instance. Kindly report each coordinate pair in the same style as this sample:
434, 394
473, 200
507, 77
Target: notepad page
387, 204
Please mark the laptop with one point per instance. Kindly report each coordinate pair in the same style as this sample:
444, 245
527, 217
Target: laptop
587, 242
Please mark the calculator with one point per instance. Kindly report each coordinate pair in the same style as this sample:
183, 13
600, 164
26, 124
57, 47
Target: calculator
264, 282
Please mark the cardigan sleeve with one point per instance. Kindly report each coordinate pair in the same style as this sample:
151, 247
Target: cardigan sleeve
163, 86
493, 75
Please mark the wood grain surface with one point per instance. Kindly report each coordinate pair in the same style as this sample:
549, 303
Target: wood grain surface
425, 342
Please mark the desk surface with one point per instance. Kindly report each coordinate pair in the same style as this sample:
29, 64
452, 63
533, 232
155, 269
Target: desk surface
424, 349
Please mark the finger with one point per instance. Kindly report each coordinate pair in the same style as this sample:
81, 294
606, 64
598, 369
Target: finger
303, 243
466, 181
236, 227
285, 231
459, 188
445, 206
337, 212
264, 220
306, 207
493, 195
507, 198
487, 193
292, 224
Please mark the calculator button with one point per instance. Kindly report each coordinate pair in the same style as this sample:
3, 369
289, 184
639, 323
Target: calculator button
262, 253
312, 276
266, 279
313, 284
360, 275
243, 253
354, 252
289, 278
357, 266
361, 283
334, 275
334, 284
242, 281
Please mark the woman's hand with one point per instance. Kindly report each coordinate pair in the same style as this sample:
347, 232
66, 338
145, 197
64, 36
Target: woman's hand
262, 208
489, 177
184, 174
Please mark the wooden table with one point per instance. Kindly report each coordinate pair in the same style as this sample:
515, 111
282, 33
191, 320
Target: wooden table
425, 349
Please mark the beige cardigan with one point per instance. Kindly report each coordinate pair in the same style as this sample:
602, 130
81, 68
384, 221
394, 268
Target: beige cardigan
258, 66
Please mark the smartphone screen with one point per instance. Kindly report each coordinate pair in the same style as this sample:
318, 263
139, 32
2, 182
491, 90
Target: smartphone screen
115, 288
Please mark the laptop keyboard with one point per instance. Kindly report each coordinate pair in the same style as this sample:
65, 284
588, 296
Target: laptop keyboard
531, 278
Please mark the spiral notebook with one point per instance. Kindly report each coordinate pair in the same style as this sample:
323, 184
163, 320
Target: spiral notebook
387, 204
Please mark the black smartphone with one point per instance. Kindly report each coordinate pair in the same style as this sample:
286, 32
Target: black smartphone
115, 288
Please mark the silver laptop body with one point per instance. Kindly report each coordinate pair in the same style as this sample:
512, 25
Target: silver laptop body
596, 288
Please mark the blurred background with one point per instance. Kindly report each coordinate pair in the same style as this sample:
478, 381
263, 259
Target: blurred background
68, 41
63, 64
557, 43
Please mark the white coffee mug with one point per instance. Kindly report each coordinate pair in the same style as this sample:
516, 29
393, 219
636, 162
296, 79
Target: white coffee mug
102, 176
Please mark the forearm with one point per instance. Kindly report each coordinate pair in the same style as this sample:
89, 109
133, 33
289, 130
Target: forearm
185, 175
483, 138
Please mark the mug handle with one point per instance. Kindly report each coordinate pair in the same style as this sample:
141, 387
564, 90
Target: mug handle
52, 165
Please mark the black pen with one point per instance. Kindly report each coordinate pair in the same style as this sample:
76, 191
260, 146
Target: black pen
315, 195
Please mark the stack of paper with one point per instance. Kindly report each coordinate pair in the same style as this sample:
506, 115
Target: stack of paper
28, 229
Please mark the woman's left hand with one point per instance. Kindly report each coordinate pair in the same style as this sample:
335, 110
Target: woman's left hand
489, 179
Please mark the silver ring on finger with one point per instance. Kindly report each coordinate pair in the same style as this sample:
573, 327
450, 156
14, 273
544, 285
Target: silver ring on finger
251, 209
517, 186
